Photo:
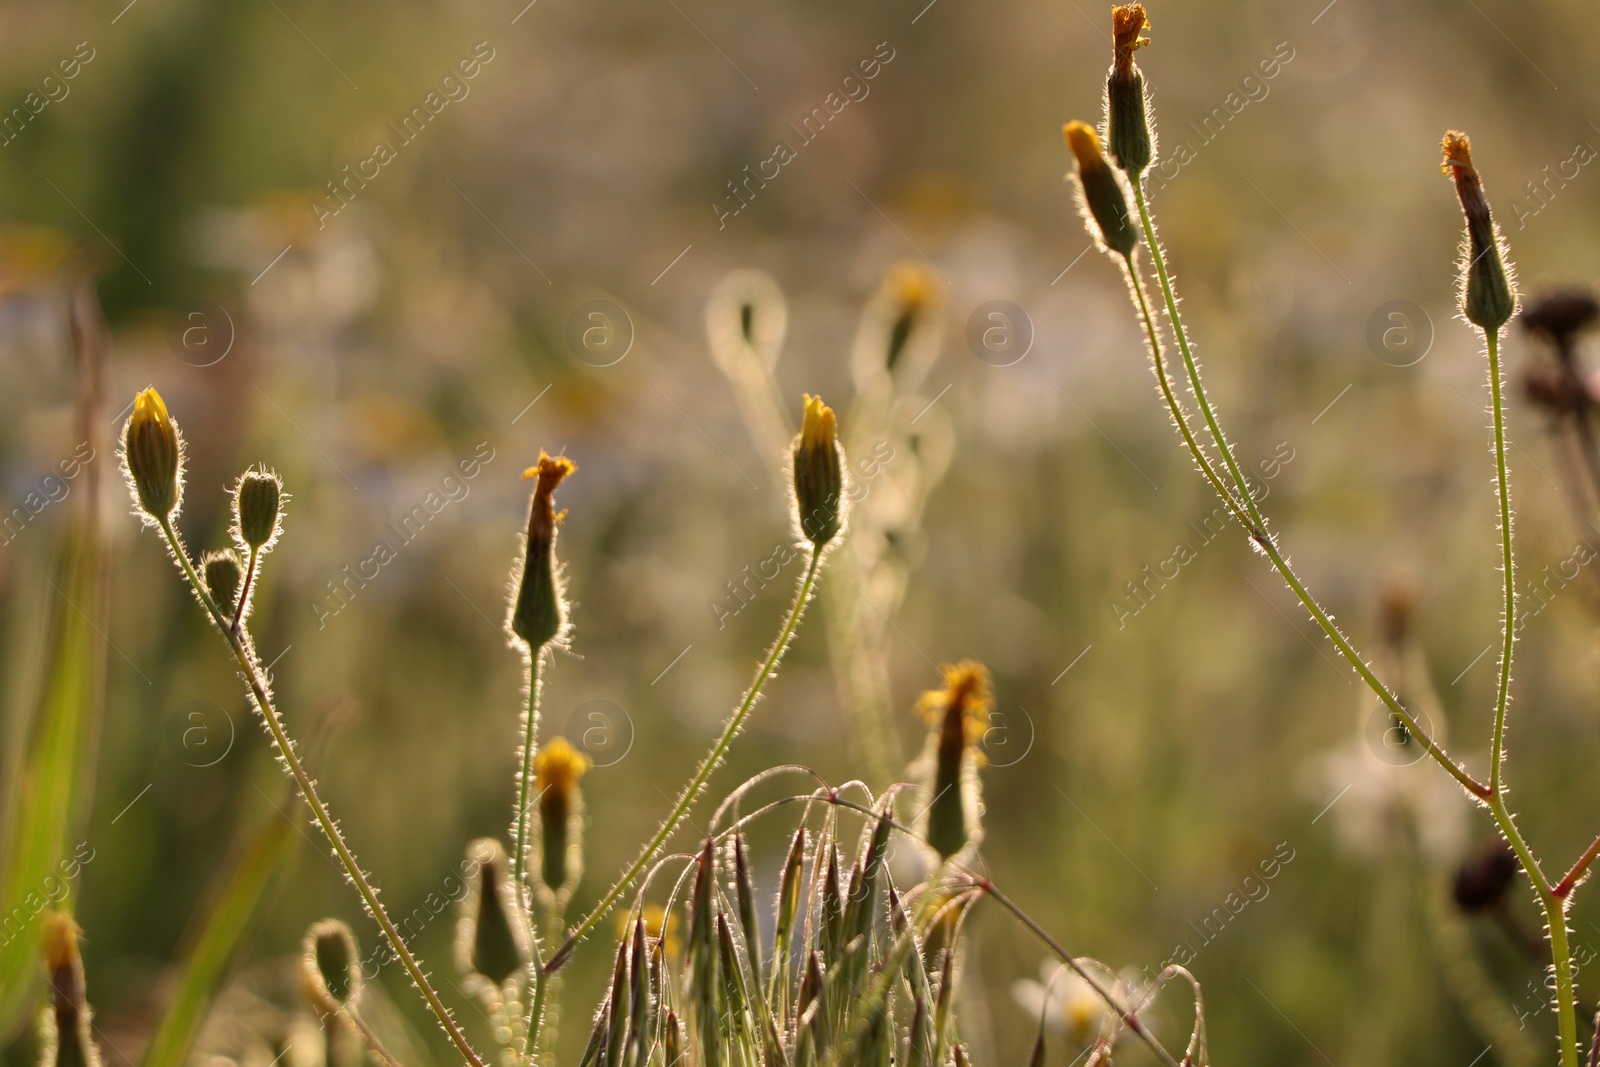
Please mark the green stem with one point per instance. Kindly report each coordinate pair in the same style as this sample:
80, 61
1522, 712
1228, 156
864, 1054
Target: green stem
244, 591
1508, 624
709, 764
519, 834
1253, 521
242, 652
1180, 418
1190, 366
1491, 795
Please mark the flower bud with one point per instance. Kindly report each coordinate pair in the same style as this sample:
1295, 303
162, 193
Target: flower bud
958, 716
67, 1027
1102, 193
1487, 296
153, 454
1127, 120
538, 615
491, 941
819, 474
223, 574
912, 290
557, 768
331, 965
256, 507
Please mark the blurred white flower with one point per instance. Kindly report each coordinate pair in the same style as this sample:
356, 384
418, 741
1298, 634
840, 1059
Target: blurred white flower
1070, 1006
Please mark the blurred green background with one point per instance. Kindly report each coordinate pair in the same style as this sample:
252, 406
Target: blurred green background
364, 353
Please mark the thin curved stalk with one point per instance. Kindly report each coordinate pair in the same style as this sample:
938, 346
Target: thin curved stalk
1492, 796
238, 642
1508, 623
1252, 521
698, 783
1258, 526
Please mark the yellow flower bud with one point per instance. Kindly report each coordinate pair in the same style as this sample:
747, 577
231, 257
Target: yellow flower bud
153, 456
958, 716
819, 474
557, 768
1102, 193
538, 615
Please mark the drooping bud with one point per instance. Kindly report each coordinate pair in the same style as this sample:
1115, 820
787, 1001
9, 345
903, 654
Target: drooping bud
819, 474
1487, 296
958, 716
1127, 119
491, 941
911, 290
538, 615
223, 574
153, 455
1103, 197
331, 965
257, 501
68, 1041
557, 768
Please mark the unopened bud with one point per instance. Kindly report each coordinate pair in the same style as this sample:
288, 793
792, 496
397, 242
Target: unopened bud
331, 965
1127, 120
557, 768
1102, 193
1487, 297
958, 716
223, 574
153, 455
491, 941
538, 615
819, 474
67, 1024
256, 507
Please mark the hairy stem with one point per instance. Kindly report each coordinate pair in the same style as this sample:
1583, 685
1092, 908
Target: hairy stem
1257, 526
698, 783
244, 590
1570, 880
1252, 520
1492, 795
238, 642
1508, 622
519, 831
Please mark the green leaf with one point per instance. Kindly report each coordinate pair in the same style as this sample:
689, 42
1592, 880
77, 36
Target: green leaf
225, 923
45, 798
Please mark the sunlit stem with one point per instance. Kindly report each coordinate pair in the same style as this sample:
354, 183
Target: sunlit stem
238, 641
519, 835
1508, 622
1243, 506
698, 783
